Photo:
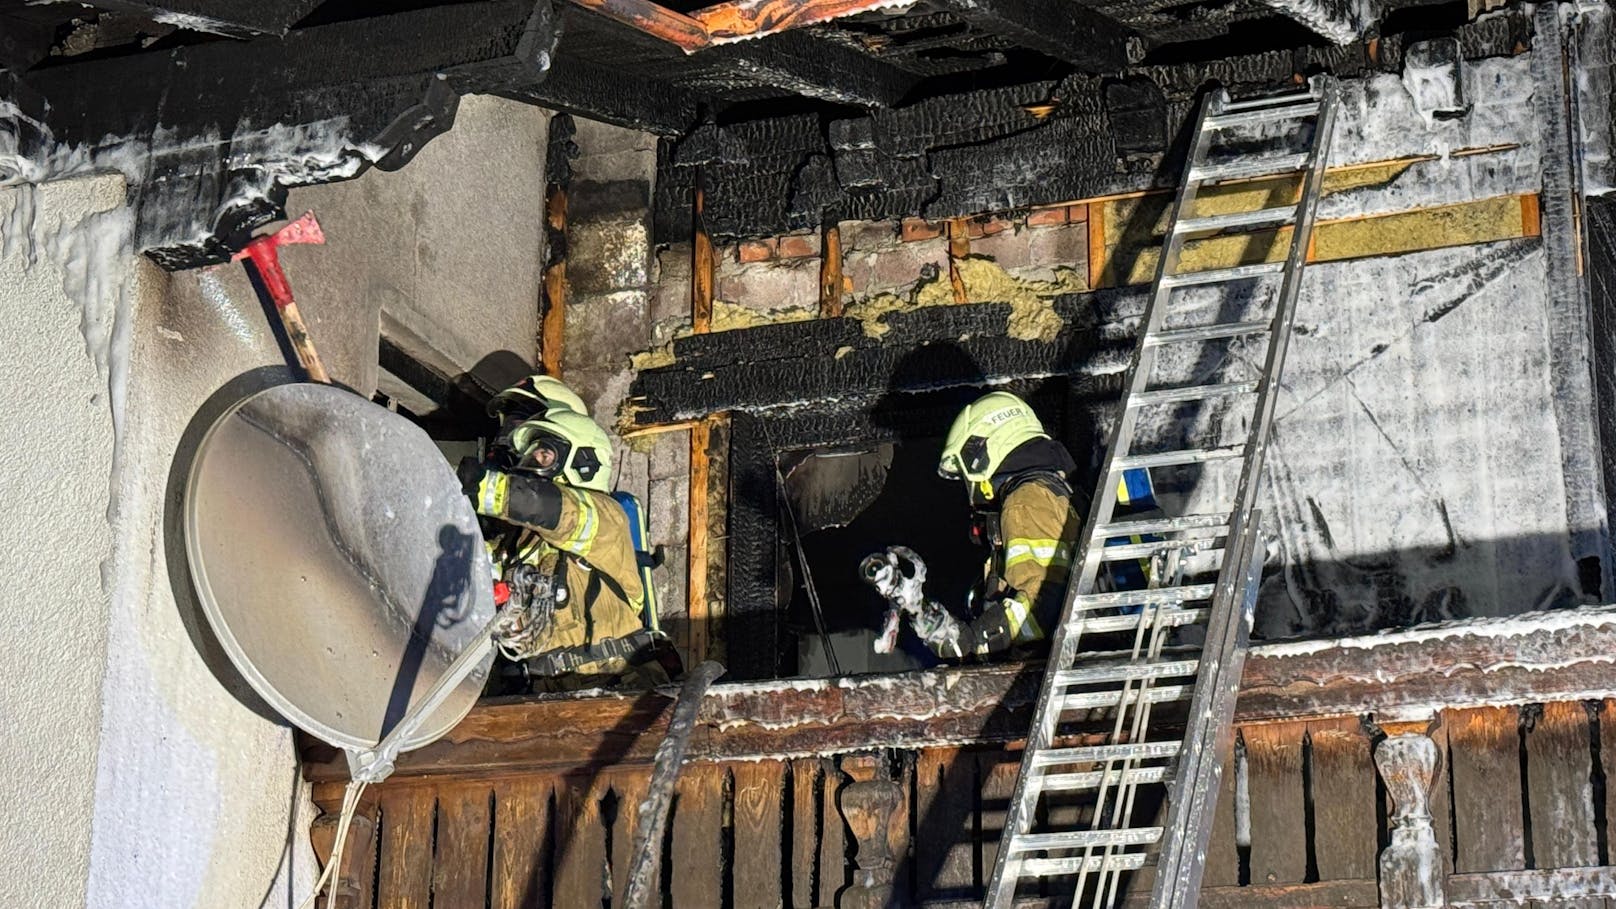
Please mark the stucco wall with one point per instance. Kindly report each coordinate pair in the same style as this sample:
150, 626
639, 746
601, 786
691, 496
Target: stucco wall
54, 469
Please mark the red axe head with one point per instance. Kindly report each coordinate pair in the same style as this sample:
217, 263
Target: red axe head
262, 252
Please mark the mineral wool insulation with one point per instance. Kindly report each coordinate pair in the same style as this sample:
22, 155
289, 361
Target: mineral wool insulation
1416, 470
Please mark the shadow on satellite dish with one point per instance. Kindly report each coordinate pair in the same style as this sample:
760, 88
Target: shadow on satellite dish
186, 601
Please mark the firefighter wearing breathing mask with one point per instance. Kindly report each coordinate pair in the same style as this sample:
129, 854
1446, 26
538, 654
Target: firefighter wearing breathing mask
561, 546
1020, 485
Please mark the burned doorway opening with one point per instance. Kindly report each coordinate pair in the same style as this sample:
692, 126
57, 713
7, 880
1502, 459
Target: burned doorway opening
851, 476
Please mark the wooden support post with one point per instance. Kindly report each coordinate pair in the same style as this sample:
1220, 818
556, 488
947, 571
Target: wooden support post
553, 327
959, 246
1411, 867
701, 321
830, 272
1096, 244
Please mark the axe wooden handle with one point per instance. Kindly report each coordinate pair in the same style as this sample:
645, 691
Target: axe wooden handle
298, 333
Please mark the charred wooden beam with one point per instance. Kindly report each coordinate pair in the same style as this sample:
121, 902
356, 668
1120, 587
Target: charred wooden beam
235, 20
1533, 658
1060, 29
784, 362
814, 68
575, 85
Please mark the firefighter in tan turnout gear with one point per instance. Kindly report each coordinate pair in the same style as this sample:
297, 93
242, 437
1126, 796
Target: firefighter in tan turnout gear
1019, 483
575, 590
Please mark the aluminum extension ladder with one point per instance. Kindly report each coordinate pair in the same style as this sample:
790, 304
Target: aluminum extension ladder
1085, 844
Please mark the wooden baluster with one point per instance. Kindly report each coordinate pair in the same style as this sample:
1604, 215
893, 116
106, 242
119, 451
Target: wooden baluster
868, 804
1411, 872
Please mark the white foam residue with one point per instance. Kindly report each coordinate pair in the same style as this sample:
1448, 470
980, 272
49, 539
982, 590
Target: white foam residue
1527, 624
190, 22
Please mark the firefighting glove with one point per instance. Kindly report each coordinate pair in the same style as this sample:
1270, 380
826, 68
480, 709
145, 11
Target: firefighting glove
470, 474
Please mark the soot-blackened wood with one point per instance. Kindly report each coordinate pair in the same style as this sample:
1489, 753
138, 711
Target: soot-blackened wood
756, 369
1343, 799
945, 823
1607, 758
1065, 31
521, 843
236, 20
580, 850
805, 818
1484, 745
405, 880
1222, 854
1278, 803
696, 859
752, 626
810, 66
834, 869
997, 772
629, 786
759, 793
460, 865
1560, 792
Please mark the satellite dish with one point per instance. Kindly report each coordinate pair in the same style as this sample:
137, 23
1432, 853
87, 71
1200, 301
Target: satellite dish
340, 564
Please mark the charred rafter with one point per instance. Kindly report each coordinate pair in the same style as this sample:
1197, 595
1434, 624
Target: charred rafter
236, 20
806, 65
1061, 29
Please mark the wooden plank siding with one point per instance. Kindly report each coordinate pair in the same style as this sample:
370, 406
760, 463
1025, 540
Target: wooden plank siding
769, 833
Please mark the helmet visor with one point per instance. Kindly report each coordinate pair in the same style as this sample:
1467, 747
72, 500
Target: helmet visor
949, 467
540, 452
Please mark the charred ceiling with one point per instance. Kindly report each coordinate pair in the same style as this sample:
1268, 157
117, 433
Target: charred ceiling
829, 109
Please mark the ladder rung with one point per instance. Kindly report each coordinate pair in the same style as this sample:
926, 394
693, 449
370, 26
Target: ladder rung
1091, 779
1076, 864
1126, 672
1099, 700
1123, 552
1096, 754
1269, 102
1175, 458
1265, 166
1204, 333
1082, 839
1190, 393
1160, 525
1159, 596
1269, 114
1219, 275
1257, 217
1168, 618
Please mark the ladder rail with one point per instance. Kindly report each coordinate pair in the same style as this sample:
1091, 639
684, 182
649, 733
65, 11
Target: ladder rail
1189, 823
1063, 647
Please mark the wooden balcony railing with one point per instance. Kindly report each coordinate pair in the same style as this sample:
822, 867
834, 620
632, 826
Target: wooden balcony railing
890, 790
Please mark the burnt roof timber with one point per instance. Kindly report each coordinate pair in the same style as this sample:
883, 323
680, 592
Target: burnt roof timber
811, 66
1060, 29
235, 20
